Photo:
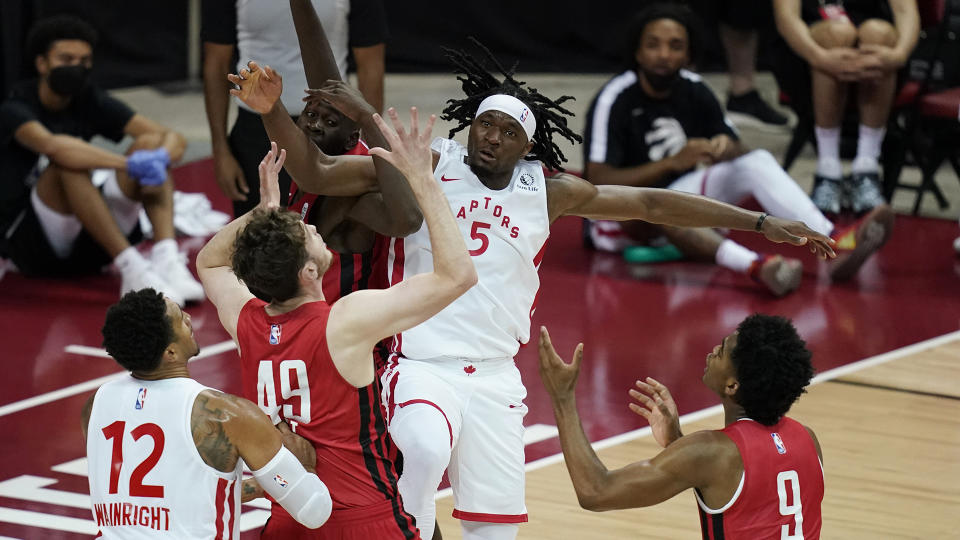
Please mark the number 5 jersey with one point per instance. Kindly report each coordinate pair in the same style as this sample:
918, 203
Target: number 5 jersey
505, 231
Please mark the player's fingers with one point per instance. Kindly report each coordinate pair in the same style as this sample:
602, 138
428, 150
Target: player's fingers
642, 398
282, 158
252, 65
639, 410
233, 78
388, 133
646, 388
577, 356
414, 123
659, 387
397, 124
428, 129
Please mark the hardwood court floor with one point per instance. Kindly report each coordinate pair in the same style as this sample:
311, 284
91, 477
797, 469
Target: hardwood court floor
889, 433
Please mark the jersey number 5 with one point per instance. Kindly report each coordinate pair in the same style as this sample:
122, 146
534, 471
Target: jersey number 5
787, 508
115, 431
290, 370
475, 234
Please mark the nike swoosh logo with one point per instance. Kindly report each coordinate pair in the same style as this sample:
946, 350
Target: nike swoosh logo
445, 179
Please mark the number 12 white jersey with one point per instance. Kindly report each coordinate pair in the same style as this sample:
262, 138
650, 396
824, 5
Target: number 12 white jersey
505, 231
147, 479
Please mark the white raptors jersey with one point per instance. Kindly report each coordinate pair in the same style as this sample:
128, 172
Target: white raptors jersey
505, 232
147, 479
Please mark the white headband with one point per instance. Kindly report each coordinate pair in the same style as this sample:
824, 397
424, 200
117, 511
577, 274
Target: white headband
512, 106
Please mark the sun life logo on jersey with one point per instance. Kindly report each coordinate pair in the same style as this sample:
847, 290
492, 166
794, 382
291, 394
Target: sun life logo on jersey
781, 449
141, 397
527, 182
274, 334
280, 481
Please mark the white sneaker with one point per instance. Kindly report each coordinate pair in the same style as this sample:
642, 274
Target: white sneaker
174, 270
147, 278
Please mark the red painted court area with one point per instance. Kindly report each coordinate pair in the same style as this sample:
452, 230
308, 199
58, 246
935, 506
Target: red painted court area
635, 321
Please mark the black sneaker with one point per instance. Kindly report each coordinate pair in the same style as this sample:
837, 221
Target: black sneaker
865, 192
828, 194
751, 110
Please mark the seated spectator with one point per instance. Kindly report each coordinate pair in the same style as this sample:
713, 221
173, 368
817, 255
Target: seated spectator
652, 125
850, 43
69, 207
738, 25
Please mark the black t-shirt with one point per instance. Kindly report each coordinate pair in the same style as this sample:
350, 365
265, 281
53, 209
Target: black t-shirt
627, 128
367, 22
91, 113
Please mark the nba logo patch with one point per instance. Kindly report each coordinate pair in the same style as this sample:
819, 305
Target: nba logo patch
524, 115
274, 334
280, 481
781, 449
141, 397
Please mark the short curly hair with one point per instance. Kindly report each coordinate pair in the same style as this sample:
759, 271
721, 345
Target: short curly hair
662, 10
772, 365
46, 31
137, 330
269, 253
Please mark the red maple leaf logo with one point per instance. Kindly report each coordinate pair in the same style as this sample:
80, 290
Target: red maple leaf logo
469, 369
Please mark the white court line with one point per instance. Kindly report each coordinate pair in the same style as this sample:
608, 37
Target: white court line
79, 388
703, 413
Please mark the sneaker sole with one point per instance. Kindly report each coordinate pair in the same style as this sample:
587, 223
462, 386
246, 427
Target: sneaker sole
871, 236
743, 120
786, 279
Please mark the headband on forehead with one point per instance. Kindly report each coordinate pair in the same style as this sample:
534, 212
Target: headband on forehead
512, 106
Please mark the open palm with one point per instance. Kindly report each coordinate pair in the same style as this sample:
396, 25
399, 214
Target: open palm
259, 88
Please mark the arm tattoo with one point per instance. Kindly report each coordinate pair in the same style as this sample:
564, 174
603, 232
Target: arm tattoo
207, 426
251, 490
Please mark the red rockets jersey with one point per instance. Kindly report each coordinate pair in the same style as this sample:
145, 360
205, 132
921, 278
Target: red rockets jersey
348, 272
781, 488
287, 370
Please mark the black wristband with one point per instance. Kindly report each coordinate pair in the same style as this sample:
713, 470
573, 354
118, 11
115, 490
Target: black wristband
759, 224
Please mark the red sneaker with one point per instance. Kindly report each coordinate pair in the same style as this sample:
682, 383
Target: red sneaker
863, 239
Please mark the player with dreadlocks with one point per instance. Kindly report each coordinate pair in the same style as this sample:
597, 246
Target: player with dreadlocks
452, 391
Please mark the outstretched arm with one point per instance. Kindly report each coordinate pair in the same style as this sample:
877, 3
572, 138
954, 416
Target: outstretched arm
393, 212
220, 284
569, 195
359, 320
319, 65
690, 462
314, 171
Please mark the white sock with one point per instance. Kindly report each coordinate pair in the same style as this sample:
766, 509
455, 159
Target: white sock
735, 257
869, 141
828, 152
164, 250
130, 260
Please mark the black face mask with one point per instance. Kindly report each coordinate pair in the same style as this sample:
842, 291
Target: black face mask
661, 83
69, 80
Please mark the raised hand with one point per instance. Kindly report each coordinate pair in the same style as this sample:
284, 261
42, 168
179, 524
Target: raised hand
342, 97
658, 407
410, 152
797, 233
559, 377
259, 88
269, 170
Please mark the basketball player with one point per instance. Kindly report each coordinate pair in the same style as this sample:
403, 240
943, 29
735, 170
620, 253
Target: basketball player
760, 477
452, 391
310, 357
165, 452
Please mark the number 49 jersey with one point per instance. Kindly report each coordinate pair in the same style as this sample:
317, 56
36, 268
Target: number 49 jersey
781, 488
147, 479
287, 370
505, 231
